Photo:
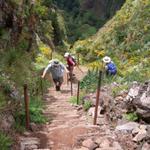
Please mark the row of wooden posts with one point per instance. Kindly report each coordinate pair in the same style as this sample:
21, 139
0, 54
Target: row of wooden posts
26, 97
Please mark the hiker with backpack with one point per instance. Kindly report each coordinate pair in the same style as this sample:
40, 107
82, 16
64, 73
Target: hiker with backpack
70, 63
56, 68
110, 67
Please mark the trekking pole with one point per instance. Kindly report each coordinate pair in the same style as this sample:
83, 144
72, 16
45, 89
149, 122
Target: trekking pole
67, 78
78, 92
26, 100
97, 97
71, 84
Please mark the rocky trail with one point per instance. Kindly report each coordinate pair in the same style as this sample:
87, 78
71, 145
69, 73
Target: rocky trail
71, 128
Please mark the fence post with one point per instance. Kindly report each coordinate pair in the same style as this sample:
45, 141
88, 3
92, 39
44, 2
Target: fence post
78, 92
97, 97
26, 100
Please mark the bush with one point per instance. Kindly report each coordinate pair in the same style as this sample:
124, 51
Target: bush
87, 105
36, 115
89, 82
73, 100
5, 141
131, 116
36, 107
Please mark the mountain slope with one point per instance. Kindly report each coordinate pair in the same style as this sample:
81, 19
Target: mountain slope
126, 38
84, 17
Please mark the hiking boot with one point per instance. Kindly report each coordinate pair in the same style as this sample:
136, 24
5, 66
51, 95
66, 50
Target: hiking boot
57, 88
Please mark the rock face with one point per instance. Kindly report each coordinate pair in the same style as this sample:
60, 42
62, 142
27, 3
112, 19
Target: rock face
102, 8
139, 98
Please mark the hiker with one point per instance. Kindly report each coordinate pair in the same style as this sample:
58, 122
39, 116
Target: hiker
110, 67
56, 68
70, 63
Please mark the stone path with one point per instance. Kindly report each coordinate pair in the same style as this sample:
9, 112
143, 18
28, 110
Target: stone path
66, 125
70, 128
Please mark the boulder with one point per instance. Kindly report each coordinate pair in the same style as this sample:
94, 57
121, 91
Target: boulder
90, 144
139, 98
128, 127
91, 111
146, 146
140, 136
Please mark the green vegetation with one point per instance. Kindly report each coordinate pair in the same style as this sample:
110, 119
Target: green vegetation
36, 115
116, 90
125, 38
87, 105
73, 100
83, 21
89, 82
36, 107
131, 116
5, 141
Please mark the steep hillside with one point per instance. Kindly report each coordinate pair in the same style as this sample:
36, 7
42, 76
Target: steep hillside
103, 9
126, 38
84, 17
29, 32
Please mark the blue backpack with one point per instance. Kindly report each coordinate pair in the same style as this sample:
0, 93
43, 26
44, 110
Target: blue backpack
112, 69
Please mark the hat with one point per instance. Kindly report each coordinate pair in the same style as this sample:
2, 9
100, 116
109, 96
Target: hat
66, 54
55, 62
106, 59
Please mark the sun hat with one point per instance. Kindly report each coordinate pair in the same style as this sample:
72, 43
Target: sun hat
106, 59
66, 54
55, 62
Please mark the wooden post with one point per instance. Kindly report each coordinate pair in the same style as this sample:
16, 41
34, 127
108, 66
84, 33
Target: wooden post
97, 97
78, 92
26, 100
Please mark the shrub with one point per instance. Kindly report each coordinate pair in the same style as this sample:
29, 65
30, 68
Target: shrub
73, 100
5, 141
131, 116
36, 115
87, 105
89, 81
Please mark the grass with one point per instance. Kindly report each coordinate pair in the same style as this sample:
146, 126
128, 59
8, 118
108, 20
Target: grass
73, 100
116, 90
5, 141
2, 100
131, 116
36, 115
87, 105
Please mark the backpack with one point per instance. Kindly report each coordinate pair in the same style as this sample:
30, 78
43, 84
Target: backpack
111, 67
74, 60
